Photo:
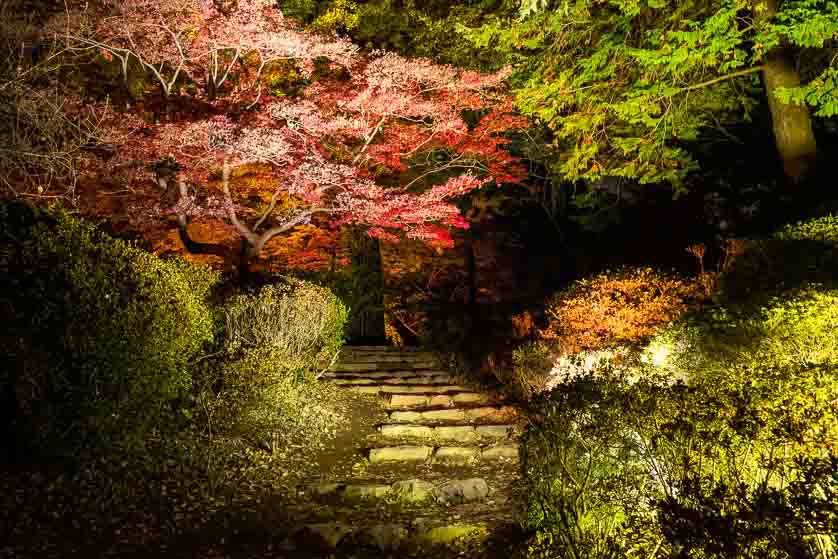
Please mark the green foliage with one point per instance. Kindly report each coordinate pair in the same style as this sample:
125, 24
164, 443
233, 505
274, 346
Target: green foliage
282, 78
531, 363
770, 267
823, 229
301, 320
262, 398
263, 389
341, 15
102, 332
626, 87
578, 475
736, 458
713, 469
425, 28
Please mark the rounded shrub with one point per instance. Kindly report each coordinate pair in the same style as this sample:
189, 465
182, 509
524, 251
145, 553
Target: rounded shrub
300, 320
263, 389
617, 308
102, 331
723, 467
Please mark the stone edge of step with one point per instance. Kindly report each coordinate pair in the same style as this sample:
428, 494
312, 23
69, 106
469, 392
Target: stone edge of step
439, 453
385, 537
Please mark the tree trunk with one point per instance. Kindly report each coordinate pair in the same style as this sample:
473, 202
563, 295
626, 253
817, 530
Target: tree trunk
210, 86
471, 269
792, 124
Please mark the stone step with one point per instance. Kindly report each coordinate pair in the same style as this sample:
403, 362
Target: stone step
386, 374
411, 491
442, 454
342, 367
384, 348
385, 537
459, 433
411, 401
441, 379
402, 453
352, 357
485, 414
408, 388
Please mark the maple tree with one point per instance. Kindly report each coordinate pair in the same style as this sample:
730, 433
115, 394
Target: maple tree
321, 154
175, 40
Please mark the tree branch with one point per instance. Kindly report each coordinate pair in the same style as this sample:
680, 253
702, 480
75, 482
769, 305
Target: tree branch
243, 230
726, 77
261, 240
190, 244
369, 139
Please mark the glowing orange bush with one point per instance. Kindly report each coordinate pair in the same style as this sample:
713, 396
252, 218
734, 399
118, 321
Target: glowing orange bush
622, 307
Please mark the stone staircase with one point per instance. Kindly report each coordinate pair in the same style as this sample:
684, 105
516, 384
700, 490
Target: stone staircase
427, 462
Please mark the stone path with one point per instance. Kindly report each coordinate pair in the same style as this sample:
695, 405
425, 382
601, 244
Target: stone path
428, 461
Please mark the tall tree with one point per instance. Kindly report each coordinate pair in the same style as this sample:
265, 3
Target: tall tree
625, 85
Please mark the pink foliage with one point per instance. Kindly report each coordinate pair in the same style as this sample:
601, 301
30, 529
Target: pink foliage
391, 109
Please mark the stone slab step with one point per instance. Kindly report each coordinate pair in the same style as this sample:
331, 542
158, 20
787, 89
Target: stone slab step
408, 388
409, 491
386, 374
459, 433
401, 454
442, 454
460, 415
441, 379
379, 366
385, 348
385, 537
411, 401
352, 357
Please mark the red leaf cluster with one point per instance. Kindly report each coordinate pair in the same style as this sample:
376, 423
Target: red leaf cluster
328, 148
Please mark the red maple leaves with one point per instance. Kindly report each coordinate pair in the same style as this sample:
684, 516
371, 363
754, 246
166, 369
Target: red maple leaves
396, 120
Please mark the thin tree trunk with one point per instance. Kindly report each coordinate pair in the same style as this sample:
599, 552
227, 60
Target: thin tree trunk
471, 269
246, 254
792, 124
210, 79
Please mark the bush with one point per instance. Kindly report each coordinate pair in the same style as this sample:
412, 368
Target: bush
264, 389
737, 459
796, 329
102, 332
823, 229
531, 366
303, 321
798, 255
617, 308
733, 469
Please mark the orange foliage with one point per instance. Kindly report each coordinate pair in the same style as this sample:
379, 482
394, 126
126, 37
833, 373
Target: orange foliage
308, 248
623, 307
523, 324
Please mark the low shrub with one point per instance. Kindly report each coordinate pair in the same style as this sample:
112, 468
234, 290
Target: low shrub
715, 469
531, 366
301, 320
263, 388
823, 229
100, 333
725, 444
798, 255
617, 308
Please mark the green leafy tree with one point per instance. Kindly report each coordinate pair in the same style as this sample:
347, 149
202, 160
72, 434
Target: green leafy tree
626, 85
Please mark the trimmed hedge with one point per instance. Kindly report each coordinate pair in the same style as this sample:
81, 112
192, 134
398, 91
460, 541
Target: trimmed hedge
101, 332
